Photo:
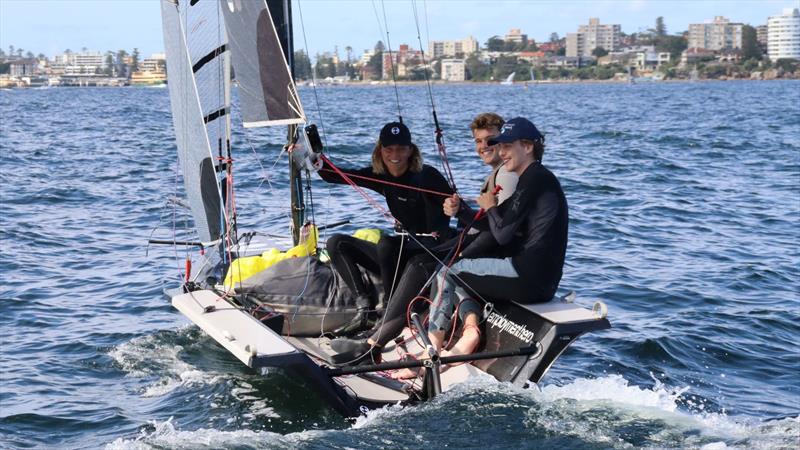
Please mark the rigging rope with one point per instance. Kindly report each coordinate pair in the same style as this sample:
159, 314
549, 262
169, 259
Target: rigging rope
438, 129
391, 56
390, 183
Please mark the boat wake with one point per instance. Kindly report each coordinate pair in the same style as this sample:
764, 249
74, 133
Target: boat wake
605, 412
157, 358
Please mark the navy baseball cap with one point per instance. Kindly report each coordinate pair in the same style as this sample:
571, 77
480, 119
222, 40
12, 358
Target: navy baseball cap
395, 133
516, 129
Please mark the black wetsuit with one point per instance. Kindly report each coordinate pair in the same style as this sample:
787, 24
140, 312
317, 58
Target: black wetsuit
418, 212
531, 228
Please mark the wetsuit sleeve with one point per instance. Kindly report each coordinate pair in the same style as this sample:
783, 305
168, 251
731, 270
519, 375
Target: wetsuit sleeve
504, 222
433, 180
543, 215
466, 214
328, 174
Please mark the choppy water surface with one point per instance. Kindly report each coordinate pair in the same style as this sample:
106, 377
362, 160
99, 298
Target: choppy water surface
685, 220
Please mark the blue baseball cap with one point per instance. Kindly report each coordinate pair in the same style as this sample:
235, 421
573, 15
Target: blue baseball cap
516, 129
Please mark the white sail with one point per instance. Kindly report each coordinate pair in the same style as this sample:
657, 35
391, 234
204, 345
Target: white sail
267, 92
509, 80
199, 88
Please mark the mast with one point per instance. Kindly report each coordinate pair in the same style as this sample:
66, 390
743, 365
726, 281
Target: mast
281, 12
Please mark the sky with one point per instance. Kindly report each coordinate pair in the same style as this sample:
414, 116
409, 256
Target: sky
52, 26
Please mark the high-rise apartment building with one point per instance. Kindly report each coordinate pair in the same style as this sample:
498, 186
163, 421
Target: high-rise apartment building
720, 34
783, 40
761, 36
463, 47
591, 36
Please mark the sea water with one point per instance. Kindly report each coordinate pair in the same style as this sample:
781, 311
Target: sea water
684, 219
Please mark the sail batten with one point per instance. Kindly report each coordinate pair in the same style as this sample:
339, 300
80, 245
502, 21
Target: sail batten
267, 92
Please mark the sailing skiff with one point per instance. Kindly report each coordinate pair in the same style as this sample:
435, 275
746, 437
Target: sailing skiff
282, 319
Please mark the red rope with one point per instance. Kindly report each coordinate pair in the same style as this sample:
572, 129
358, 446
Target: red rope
390, 183
361, 191
443, 156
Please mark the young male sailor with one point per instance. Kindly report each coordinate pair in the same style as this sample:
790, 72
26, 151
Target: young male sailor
520, 257
484, 127
420, 268
396, 170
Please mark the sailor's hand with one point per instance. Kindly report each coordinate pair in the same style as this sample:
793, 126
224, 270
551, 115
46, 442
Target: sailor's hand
451, 205
313, 161
487, 200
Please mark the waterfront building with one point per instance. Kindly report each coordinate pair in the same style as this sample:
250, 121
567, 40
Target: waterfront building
454, 70
156, 63
531, 57
365, 57
717, 35
783, 40
464, 47
696, 55
551, 47
76, 64
23, 67
515, 35
591, 36
651, 60
403, 60
762, 36
567, 62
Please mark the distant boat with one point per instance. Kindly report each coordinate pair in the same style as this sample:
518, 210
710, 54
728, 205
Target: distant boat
509, 81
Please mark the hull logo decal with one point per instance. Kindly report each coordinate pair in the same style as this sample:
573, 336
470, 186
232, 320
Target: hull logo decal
520, 332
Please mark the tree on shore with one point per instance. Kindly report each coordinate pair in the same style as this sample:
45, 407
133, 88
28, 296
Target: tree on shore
476, 69
750, 47
109, 69
675, 45
375, 64
661, 28
599, 52
302, 65
495, 44
121, 66
135, 60
554, 37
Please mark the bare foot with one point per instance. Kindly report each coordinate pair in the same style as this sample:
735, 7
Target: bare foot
470, 338
405, 374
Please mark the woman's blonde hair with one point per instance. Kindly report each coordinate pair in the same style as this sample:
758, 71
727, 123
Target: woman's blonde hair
414, 161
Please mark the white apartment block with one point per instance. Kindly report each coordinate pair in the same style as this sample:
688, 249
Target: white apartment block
515, 35
155, 63
454, 70
720, 34
83, 63
466, 46
591, 36
783, 35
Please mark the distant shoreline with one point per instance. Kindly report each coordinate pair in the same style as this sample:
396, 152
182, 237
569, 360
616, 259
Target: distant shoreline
436, 83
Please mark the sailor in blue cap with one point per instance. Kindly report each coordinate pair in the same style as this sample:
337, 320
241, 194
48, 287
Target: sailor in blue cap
520, 257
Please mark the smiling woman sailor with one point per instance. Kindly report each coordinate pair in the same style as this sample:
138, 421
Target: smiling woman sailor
414, 193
